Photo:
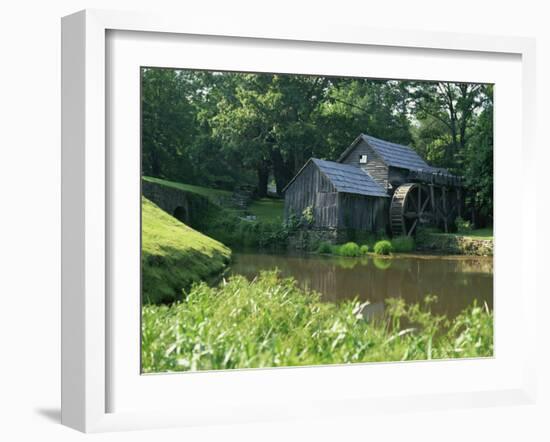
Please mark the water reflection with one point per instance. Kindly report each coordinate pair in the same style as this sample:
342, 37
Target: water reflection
456, 281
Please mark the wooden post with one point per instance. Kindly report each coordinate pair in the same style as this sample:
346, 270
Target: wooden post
444, 201
432, 198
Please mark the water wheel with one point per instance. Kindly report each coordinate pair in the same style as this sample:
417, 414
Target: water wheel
410, 206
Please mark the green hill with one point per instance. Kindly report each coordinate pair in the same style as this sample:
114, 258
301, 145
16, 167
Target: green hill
174, 256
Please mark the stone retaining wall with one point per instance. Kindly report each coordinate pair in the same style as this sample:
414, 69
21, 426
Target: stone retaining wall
455, 245
185, 206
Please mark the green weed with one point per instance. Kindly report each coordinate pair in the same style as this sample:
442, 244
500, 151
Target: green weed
364, 249
383, 247
350, 249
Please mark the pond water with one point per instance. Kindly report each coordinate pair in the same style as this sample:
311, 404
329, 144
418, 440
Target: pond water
456, 281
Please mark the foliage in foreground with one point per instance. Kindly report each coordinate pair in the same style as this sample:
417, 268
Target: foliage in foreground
270, 322
174, 256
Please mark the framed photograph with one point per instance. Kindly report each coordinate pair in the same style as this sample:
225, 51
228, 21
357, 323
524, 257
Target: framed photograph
257, 220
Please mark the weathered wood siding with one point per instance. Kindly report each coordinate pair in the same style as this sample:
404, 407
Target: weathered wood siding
376, 168
363, 212
312, 189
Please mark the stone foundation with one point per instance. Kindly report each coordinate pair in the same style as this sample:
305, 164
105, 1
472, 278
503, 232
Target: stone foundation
455, 245
309, 239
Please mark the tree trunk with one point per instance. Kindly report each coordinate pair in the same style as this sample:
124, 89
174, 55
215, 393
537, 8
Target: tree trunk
263, 178
281, 171
155, 163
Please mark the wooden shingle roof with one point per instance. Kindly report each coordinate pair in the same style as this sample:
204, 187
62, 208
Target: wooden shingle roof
395, 155
349, 179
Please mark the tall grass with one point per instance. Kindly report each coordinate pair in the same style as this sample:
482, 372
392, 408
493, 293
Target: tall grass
270, 322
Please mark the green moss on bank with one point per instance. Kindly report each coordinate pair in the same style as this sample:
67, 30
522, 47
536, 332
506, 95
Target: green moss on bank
174, 256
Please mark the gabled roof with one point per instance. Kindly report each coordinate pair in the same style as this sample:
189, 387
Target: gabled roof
393, 154
348, 179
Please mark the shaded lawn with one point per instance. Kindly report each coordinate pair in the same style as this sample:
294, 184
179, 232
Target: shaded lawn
268, 209
486, 233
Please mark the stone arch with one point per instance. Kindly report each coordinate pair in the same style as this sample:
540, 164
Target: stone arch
181, 213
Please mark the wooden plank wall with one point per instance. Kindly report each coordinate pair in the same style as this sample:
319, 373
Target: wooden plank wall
375, 167
326, 209
312, 189
332, 209
363, 212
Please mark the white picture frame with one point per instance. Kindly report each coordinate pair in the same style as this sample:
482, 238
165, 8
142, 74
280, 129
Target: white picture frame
87, 210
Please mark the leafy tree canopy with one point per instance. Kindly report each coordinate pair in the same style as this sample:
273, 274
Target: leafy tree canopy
224, 130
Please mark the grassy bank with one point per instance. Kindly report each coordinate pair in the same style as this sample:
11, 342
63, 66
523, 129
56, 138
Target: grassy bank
174, 255
270, 322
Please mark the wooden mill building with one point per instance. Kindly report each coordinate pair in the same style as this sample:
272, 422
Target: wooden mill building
375, 186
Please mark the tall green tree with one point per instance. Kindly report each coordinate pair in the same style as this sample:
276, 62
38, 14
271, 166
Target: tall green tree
267, 123
454, 129
478, 165
355, 106
451, 106
168, 122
